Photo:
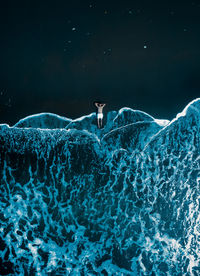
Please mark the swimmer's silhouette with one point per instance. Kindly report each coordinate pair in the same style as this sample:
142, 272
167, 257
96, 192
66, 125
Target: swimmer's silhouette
100, 107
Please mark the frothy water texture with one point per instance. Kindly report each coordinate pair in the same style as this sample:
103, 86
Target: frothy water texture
123, 200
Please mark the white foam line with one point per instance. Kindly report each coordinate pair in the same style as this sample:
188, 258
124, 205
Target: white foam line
179, 115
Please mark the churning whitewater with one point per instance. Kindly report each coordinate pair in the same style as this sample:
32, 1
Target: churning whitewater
121, 200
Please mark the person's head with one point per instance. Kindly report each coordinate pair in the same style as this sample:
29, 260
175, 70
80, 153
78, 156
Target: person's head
99, 104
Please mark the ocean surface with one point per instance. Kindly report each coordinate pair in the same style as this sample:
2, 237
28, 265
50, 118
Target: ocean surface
121, 200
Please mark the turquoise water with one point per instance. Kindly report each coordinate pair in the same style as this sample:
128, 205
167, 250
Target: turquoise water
123, 200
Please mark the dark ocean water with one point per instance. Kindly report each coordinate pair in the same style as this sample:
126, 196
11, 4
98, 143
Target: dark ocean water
123, 200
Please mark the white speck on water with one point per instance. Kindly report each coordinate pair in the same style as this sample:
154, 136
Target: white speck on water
19, 212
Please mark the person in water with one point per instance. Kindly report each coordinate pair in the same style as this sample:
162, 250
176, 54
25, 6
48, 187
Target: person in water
100, 107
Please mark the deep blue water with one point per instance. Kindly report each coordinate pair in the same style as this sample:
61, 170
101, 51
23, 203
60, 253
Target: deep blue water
122, 200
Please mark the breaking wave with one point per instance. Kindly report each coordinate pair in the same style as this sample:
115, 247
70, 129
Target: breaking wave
123, 200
